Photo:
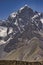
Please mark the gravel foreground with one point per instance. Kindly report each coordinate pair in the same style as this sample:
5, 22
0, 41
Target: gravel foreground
13, 62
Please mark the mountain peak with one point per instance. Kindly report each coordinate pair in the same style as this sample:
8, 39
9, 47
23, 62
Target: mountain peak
25, 7
25, 10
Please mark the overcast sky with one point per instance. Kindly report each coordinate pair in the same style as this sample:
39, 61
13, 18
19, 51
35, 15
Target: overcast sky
9, 6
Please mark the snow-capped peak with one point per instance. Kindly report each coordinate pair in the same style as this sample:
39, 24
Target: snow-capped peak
23, 7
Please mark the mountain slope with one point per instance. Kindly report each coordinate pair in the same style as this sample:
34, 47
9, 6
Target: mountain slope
30, 51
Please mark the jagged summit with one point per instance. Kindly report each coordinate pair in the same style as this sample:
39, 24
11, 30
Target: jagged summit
23, 12
25, 6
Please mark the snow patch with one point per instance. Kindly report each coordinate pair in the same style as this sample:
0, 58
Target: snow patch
34, 16
16, 23
3, 31
2, 42
41, 20
13, 14
10, 30
39, 14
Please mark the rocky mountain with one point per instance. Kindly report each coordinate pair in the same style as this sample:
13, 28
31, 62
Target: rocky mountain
21, 36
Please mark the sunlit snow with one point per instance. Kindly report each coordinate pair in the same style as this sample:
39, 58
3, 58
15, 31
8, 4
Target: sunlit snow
41, 20
3, 31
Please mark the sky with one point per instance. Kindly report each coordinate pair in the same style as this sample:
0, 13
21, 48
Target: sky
9, 6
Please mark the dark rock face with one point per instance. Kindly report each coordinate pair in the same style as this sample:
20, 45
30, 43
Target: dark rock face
0, 38
26, 12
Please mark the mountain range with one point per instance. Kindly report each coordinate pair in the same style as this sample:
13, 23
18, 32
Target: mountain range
21, 36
